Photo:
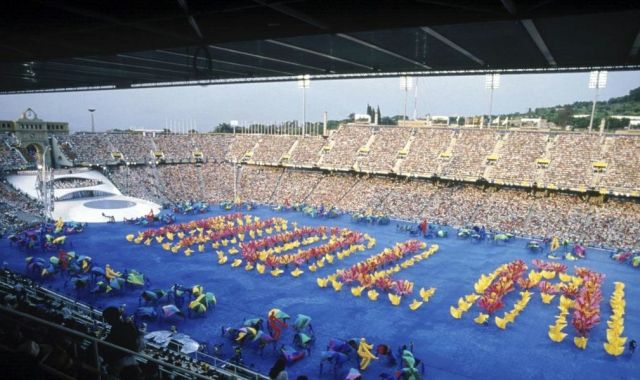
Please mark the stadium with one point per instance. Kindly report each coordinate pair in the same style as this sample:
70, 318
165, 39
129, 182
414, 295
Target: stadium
443, 248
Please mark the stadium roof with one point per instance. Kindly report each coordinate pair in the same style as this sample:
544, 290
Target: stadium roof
73, 44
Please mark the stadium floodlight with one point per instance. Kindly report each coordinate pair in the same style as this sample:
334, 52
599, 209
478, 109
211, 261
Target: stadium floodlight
406, 83
93, 128
597, 80
304, 81
491, 82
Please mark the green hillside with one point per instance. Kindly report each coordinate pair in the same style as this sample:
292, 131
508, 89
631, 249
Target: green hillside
562, 115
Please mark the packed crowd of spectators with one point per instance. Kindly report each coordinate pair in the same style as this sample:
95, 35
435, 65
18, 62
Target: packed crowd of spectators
383, 153
517, 157
67, 149
134, 146
559, 215
347, 141
241, 146
137, 147
571, 160
137, 181
504, 209
218, 181
424, 155
526, 213
615, 224
72, 183
307, 151
623, 160
182, 182
366, 195
211, 182
174, 147
331, 189
215, 147
10, 158
571, 157
13, 201
469, 153
295, 186
91, 148
258, 183
406, 199
444, 152
272, 147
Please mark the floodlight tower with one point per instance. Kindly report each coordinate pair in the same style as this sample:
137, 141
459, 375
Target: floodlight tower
406, 83
597, 80
303, 82
91, 111
491, 82
44, 186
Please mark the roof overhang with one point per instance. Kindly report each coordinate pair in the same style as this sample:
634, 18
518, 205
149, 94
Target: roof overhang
91, 45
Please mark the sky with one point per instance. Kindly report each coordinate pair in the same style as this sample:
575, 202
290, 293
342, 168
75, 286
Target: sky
205, 107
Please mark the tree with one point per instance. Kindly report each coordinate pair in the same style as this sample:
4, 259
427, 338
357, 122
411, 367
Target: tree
613, 123
386, 120
371, 112
580, 122
564, 116
224, 128
379, 116
333, 124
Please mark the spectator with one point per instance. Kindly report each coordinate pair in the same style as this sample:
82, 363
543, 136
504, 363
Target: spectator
123, 334
278, 371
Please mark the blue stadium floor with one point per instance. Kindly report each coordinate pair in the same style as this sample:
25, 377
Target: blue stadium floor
450, 349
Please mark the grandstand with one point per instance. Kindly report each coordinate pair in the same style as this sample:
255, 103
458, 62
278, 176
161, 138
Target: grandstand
488, 167
380, 234
564, 160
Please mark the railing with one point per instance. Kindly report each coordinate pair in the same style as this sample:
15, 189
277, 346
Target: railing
88, 316
95, 342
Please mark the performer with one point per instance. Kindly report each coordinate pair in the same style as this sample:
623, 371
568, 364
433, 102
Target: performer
424, 227
150, 216
364, 352
110, 218
276, 323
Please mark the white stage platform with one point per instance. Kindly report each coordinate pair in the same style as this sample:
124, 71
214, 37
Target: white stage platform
90, 210
109, 199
